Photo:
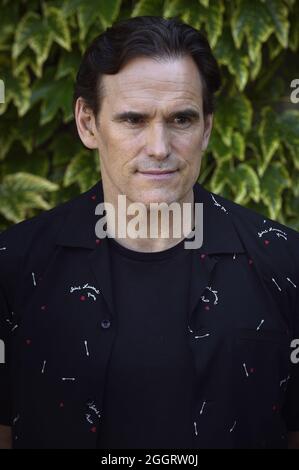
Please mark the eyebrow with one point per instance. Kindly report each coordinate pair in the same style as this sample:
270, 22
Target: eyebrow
187, 112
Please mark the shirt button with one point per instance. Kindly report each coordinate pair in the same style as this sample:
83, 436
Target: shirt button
105, 323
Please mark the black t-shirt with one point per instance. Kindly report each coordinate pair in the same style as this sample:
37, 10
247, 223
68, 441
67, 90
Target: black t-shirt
150, 385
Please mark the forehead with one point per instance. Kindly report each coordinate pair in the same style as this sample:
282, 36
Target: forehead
145, 81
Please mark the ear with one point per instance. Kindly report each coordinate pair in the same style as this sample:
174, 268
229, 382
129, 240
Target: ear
85, 122
207, 131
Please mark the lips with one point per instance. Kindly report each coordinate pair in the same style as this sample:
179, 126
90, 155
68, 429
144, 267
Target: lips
155, 172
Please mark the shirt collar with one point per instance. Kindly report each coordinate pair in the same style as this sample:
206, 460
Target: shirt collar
219, 232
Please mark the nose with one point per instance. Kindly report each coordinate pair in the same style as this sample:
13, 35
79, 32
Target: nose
158, 141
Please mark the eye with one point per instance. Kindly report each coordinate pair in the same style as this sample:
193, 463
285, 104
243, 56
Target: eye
134, 120
182, 121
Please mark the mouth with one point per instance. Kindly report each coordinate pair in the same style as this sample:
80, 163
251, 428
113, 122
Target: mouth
156, 174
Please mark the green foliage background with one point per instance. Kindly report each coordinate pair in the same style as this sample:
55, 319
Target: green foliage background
253, 156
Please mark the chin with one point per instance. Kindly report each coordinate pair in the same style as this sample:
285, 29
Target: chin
159, 196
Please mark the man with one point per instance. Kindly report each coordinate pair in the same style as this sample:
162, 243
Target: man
125, 342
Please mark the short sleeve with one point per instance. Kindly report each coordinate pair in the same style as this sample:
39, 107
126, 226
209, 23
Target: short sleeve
5, 330
291, 408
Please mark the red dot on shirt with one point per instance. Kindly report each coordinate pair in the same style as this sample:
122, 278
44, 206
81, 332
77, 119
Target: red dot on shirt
82, 297
94, 429
252, 370
207, 307
98, 241
202, 256
61, 405
274, 408
250, 261
28, 341
266, 242
43, 307
93, 197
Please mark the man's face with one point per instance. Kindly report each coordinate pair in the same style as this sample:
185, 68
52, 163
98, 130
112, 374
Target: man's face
151, 119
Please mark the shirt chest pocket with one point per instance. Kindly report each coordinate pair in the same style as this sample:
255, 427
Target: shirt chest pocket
261, 366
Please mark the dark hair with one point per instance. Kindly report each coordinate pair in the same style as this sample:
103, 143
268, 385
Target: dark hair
149, 36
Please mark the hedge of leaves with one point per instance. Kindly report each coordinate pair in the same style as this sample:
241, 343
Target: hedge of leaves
253, 156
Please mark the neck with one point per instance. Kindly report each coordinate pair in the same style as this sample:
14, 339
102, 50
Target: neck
149, 228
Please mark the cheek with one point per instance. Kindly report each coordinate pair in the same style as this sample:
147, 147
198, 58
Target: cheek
122, 142
187, 144
120, 152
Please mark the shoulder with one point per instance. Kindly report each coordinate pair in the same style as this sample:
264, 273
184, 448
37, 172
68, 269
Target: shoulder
46, 225
271, 243
33, 237
255, 223
15, 240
